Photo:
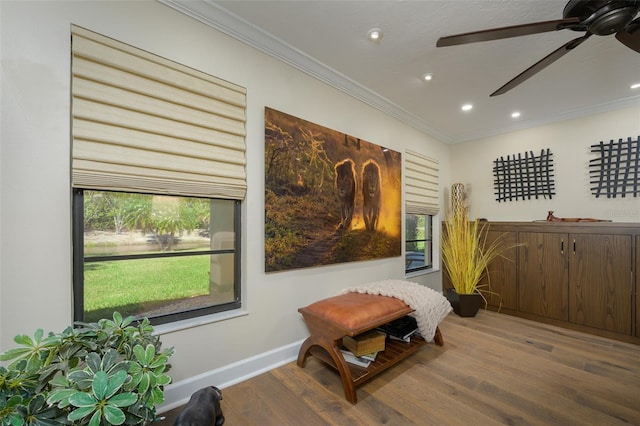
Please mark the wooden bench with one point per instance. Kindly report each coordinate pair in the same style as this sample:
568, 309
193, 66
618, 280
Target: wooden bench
350, 314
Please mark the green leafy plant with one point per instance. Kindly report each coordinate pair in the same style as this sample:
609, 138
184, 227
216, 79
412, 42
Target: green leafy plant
110, 372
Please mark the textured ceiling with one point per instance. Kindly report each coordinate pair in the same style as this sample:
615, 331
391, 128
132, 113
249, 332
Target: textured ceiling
328, 40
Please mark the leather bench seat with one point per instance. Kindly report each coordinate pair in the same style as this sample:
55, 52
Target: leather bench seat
357, 312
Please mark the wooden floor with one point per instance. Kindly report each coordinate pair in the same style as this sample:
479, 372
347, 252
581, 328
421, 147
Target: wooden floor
493, 369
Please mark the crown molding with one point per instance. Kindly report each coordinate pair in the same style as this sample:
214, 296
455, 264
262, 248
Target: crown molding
217, 17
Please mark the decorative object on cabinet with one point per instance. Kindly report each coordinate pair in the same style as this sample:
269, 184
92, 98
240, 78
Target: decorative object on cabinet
329, 197
466, 254
525, 177
457, 198
552, 218
616, 171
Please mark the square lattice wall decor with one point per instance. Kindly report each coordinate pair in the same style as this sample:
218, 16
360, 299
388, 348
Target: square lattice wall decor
524, 176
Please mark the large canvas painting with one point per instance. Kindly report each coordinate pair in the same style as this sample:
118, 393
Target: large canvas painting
329, 197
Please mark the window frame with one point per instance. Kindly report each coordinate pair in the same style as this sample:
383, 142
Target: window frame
79, 261
428, 241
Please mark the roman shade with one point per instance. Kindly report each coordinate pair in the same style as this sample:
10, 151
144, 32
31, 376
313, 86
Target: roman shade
421, 184
142, 123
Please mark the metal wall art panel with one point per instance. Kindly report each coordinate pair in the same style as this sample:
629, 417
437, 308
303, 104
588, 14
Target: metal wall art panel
616, 170
522, 177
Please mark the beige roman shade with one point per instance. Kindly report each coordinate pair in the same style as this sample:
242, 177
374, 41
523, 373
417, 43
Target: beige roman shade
421, 184
143, 123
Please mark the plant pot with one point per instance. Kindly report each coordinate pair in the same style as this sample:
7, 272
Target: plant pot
465, 305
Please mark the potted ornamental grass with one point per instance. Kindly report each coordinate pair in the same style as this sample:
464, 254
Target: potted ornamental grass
111, 372
466, 254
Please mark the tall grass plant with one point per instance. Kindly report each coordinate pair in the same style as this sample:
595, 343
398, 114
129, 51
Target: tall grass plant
467, 253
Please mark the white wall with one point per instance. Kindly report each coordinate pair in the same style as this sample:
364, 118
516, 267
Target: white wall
570, 143
35, 216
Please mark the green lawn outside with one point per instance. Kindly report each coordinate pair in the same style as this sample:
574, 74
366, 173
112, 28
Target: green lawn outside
129, 285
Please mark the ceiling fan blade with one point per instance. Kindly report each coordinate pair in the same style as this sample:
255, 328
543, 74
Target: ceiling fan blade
507, 32
541, 64
630, 36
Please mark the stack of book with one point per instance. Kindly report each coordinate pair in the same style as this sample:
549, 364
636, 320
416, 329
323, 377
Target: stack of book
361, 361
401, 329
362, 349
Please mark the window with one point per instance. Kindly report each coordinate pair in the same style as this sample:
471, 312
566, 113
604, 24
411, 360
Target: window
158, 170
422, 203
161, 257
418, 242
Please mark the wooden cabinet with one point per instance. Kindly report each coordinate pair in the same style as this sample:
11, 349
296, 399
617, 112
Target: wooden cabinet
581, 278
501, 278
637, 287
543, 274
582, 275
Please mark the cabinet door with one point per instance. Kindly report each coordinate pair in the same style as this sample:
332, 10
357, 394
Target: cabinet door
543, 274
600, 281
500, 284
637, 271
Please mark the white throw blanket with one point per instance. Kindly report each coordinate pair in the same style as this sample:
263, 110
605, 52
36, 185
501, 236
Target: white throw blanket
430, 306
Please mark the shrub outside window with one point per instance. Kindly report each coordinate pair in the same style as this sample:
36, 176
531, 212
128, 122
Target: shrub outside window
162, 257
418, 242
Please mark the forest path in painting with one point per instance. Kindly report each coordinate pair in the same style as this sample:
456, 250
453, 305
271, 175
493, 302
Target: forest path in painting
319, 251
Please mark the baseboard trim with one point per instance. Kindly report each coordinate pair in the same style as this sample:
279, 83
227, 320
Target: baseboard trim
178, 394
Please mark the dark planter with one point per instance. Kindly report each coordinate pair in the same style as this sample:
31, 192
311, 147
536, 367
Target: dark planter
465, 305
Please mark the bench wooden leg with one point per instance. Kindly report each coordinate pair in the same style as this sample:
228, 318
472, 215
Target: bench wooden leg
438, 337
333, 351
303, 354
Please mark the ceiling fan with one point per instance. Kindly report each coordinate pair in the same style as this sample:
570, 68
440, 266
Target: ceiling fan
599, 17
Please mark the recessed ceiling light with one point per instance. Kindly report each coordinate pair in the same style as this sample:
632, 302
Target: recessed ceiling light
467, 107
375, 34
427, 77
515, 114
635, 86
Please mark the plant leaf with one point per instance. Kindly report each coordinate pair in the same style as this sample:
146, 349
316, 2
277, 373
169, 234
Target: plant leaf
93, 361
81, 378
124, 399
117, 317
159, 362
13, 353
114, 415
59, 395
81, 412
143, 386
163, 379
149, 354
23, 339
16, 419
139, 353
100, 385
82, 400
109, 359
59, 381
95, 419
114, 384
